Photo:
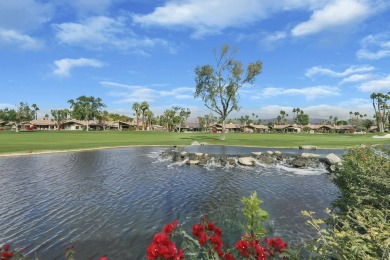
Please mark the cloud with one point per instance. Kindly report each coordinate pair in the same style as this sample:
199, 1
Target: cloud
379, 85
333, 15
16, 39
104, 32
204, 16
24, 15
309, 92
65, 65
328, 72
357, 78
269, 41
135, 93
374, 47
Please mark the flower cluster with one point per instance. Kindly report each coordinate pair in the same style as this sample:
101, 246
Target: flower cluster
206, 231
6, 254
162, 247
275, 245
250, 247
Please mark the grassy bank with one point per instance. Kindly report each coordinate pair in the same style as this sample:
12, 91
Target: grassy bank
30, 142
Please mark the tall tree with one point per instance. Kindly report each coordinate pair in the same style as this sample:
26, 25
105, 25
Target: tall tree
149, 116
137, 110
144, 107
21, 113
60, 116
36, 108
379, 102
218, 87
103, 118
86, 108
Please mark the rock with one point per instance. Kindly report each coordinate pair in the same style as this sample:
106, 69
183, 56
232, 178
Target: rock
333, 168
332, 159
199, 154
195, 143
310, 155
270, 152
277, 152
183, 154
299, 163
247, 161
193, 162
308, 147
256, 153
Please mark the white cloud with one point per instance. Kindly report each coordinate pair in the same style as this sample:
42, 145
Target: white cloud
335, 14
357, 78
374, 47
269, 41
135, 93
24, 15
102, 32
64, 66
22, 41
309, 92
379, 85
328, 72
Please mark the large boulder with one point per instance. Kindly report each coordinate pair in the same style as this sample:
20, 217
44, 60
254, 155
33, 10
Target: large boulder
247, 161
332, 159
308, 147
193, 162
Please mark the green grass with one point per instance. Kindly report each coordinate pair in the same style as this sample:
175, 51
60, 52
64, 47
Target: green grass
29, 142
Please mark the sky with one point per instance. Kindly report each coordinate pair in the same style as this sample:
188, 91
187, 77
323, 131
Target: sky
324, 56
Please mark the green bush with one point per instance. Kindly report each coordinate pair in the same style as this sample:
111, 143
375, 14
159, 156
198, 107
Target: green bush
358, 226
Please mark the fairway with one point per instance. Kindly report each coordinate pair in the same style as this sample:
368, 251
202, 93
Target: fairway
32, 142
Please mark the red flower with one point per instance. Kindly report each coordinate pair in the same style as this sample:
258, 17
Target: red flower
260, 252
229, 256
170, 227
242, 247
210, 226
161, 247
197, 229
6, 255
218, 231
277, 245
179, 255
202, 238
6, 247
103, 258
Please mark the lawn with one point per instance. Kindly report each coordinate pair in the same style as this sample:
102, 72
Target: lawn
30, 142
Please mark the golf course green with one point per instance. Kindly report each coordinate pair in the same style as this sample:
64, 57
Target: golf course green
47, 141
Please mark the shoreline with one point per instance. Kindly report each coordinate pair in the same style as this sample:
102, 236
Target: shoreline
17, 154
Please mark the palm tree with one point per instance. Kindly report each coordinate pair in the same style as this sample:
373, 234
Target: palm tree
144, 106
149, 115
36, 108
136, 108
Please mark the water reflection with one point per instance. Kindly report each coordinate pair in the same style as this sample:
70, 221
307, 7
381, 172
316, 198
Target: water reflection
113, 201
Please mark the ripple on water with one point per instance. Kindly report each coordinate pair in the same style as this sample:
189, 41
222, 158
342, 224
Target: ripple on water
113, 201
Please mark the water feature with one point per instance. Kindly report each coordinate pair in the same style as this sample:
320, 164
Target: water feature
113, 201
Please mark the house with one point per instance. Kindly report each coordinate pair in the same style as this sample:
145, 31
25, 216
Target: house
232, 128
322, 128
190, 127
120, 125
287, 128
373, 129
256, 128
43, 124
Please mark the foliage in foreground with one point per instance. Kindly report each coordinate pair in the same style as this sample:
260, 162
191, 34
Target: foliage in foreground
207, 242
358, 226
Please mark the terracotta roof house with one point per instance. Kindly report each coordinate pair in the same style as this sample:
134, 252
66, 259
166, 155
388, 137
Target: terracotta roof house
120, 125
41, 124
256, 128
191, 127
233, 128
287, 128
322, 128
373, 129
81, 125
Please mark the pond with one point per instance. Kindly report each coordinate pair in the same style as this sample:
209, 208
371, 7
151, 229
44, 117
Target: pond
113, 201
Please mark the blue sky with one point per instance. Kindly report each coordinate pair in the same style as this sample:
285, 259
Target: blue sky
323, 56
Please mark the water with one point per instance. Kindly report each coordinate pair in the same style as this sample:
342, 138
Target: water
113, 201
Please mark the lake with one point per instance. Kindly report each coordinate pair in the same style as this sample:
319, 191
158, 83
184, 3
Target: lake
113, 201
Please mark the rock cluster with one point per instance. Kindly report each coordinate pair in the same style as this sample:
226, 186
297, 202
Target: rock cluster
305, 160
